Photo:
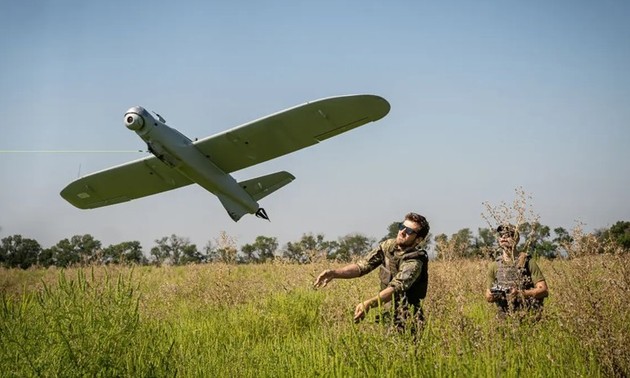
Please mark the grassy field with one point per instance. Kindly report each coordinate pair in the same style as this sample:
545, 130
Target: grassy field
266, 321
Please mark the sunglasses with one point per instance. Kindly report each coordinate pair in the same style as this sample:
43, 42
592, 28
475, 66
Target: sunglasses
406, 230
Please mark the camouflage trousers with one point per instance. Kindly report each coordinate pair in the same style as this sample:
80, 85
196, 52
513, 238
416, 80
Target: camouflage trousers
403, 319
520, 309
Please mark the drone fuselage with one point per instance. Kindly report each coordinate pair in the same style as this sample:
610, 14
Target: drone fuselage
178, 151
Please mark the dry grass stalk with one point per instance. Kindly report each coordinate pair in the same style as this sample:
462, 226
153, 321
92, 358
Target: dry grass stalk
519, 213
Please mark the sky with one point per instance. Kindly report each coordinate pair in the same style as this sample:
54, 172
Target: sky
486, 97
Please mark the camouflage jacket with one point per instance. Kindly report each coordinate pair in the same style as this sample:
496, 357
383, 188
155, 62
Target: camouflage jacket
521, 274
405, 270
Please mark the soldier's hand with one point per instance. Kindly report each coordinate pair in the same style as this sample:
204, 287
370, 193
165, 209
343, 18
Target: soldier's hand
324, 278
359, 312
490, 296
513, 294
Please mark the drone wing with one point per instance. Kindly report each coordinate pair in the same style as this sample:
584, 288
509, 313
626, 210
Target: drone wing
290, 130
136, 179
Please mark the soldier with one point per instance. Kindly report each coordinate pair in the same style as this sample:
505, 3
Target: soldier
404, 274
514, 282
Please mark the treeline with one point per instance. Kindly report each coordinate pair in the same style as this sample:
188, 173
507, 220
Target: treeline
539, 240
17, 251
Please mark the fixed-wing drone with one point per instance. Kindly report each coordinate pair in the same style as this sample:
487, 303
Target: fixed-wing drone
178, 161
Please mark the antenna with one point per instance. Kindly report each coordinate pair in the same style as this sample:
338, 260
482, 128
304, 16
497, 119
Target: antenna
68, 151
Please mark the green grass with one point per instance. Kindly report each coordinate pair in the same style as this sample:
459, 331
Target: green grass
266, 321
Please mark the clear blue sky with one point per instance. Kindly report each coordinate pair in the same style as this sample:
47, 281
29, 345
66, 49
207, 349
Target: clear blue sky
486, 96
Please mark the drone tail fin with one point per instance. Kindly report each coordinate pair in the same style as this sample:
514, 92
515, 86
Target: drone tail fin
261, 187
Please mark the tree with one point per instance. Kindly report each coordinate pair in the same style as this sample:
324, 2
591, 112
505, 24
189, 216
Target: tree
620, 234
190, 255
263, 249
129, 252
63, 254
19, 252
175, 250
294, 252
428, 240
441, 247
352, 245
82, 249
459, 245
46, 257
484, 244
463, 242
309, 247
210, 252
392, 231
536, 239
562, 240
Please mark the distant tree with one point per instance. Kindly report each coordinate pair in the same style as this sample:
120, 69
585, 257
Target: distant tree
426, 243
537, 241
310, 242
562, 240
614, 239
82, 249
392, 231
129, 252
351, 246
463, 242
294, 252
324, 248
210, 252
248, 255
190, 255
620, 234
88, 247
263, 249
63, 254
442, 250
46, 257
309, 247
159, 255
484, 244
19, 252
175, 250
459, 245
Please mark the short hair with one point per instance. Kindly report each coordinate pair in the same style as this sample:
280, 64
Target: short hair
421, 221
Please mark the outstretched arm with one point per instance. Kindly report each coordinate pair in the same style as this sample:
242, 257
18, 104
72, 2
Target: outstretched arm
348, 271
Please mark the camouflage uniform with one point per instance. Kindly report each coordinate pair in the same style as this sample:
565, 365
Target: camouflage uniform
406, 271
522, 274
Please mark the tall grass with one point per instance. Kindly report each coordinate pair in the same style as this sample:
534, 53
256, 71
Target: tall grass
266, 321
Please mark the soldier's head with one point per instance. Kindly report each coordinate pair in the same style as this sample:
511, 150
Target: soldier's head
508, 237
412, 230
